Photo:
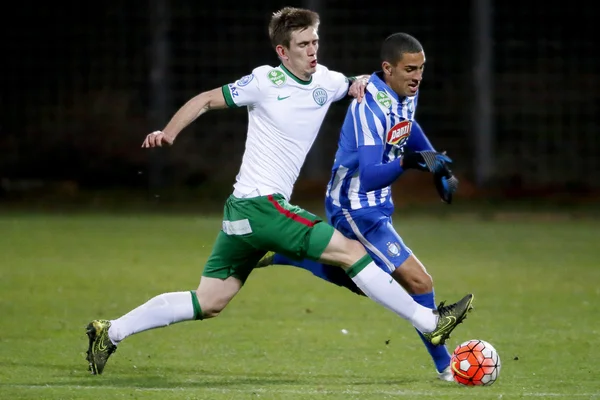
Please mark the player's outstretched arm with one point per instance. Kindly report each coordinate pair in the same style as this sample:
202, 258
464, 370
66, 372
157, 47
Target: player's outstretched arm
195, 107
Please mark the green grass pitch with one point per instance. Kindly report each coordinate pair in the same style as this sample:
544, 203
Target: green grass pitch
537, 288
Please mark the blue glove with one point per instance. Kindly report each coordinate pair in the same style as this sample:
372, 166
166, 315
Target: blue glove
427, 160
446, 184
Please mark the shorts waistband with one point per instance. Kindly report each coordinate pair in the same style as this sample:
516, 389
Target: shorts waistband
252, 194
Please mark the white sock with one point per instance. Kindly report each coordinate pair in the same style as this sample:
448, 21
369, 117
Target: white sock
162, 310
383, 289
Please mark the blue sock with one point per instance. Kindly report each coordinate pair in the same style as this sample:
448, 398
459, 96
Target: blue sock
279, 259
329, 273
439, 354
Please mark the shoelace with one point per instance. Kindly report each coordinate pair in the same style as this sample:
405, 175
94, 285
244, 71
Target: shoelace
443, 309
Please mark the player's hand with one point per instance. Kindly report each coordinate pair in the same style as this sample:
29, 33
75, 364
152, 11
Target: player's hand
445, 184
358, 88
157, 139
431, 161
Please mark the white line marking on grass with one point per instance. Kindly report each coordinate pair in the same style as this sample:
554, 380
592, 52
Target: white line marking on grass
297, 391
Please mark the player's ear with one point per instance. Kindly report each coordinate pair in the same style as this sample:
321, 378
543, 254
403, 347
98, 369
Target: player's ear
387, 68
282, 52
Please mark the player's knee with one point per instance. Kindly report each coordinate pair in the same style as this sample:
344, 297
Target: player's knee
214, 294
343, 251
210, 313
356, 249
210, 306
353, 251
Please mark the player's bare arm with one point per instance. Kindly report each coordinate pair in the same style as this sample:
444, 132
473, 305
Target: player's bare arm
195, 107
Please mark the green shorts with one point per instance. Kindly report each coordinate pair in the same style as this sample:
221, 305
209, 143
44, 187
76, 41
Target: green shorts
253, 226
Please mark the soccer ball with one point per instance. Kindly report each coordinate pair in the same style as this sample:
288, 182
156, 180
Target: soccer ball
475, 363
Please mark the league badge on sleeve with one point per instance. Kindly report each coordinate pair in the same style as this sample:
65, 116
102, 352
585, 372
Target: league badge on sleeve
245, 80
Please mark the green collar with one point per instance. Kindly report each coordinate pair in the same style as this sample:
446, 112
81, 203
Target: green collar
294, 77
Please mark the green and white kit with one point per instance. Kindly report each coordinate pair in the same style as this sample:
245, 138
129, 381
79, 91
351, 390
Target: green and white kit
285, 114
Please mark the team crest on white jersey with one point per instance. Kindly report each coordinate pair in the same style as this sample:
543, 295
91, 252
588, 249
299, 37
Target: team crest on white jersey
320, 96
399, 133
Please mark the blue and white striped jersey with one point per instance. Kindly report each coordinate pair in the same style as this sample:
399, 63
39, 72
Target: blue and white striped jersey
381, 119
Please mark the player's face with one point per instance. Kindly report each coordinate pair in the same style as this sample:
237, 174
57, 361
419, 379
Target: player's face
405, 77
301, 57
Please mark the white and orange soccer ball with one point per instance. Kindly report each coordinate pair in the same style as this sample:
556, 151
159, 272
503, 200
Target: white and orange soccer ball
475, 363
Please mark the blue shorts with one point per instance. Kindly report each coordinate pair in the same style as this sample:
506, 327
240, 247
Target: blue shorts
373, 228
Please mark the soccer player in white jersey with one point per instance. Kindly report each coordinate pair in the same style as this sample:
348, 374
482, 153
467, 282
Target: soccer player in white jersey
286, 106
379, 140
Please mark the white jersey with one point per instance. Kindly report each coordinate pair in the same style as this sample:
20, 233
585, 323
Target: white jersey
284, 118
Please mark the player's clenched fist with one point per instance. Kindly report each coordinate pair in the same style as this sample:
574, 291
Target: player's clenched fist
157, 139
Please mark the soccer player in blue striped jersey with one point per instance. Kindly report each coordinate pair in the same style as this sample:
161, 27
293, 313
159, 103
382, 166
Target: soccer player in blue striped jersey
379, 140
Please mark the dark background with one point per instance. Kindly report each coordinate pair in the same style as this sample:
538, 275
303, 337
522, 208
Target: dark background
77, 94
